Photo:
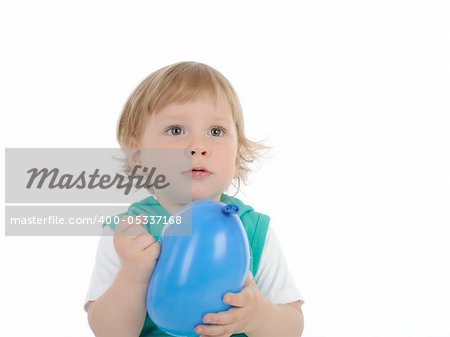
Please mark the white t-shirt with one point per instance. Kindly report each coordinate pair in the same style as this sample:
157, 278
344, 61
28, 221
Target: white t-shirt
273, 277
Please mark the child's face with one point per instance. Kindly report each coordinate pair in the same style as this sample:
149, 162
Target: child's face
206, 135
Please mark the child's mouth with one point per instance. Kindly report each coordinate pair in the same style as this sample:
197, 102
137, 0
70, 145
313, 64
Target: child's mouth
198, 172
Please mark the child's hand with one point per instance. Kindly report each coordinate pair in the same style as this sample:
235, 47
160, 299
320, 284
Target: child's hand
249, 309
137, 250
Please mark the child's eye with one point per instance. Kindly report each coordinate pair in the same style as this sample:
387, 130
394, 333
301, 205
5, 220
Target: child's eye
217, 131
175, 130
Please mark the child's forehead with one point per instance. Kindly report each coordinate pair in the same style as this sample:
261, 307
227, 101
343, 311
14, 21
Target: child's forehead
218, 103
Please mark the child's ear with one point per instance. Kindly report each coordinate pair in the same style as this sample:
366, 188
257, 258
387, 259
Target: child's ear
134, 153
133, 158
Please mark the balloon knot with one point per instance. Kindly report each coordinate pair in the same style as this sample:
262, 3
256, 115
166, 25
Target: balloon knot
230, 209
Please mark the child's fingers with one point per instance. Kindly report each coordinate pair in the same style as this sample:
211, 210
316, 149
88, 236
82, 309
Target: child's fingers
249, 280
143, 240
240, 299
153, 251
224, 317
128, 226
215, 330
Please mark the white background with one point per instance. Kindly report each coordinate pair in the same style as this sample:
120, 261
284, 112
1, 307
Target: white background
353, 96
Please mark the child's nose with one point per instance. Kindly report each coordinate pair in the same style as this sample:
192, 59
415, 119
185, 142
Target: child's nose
198, 146
197, 150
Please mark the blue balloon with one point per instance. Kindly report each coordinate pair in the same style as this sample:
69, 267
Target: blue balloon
204, 255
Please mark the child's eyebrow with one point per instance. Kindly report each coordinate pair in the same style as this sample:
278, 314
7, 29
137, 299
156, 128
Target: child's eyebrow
177, 116
221, 119
168, 116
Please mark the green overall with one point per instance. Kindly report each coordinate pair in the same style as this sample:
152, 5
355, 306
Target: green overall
255, 224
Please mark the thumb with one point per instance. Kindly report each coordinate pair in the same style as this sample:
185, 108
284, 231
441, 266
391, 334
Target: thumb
249, 280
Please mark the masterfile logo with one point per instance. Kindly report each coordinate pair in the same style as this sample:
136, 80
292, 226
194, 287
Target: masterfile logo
63, 191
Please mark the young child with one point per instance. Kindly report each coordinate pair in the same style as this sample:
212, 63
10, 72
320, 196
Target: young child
190, 106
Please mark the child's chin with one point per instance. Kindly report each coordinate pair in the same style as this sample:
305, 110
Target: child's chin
187, 195
202, 194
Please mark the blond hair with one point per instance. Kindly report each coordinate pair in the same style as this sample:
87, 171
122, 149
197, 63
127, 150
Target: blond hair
179, 83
